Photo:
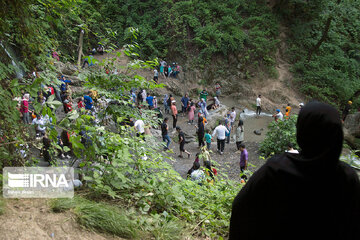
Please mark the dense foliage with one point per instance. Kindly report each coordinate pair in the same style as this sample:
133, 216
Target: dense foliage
278, 137
241, 33
324, 47
204, 29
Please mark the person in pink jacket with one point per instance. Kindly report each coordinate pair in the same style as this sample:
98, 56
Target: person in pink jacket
24, 108
191, 113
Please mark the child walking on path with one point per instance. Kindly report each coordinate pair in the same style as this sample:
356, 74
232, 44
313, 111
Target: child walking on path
208, 138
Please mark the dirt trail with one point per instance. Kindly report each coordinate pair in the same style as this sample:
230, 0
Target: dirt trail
32, 219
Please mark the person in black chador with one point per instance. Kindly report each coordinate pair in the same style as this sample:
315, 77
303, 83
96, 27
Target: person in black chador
311, 195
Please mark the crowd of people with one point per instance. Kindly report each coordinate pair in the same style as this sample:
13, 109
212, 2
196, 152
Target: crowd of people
166, 70
90, 103
289, 178
199, 108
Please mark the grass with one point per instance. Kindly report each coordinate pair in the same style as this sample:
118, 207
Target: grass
2, 206
113, 220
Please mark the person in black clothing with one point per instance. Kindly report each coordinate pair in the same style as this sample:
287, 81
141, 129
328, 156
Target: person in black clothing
169, 100
182, 143
200, 132
140, 98
46, 148
311, 195
164, 133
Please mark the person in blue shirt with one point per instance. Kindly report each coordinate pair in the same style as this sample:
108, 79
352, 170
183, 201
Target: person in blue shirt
184, 103
150, 101
88, 101
202, 105
133, 96
64, 81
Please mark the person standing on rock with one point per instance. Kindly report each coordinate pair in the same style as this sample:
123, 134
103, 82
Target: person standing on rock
314, 195
165, 103
191, 113
174, 113
239, 137
202, 105
165, 134
184, 104
220, 132
162, 67
200, 129
204, 94
217, 89
156, 76
182, 143
169, 71
258, 106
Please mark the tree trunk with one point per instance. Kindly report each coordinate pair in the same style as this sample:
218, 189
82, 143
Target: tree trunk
80, 48
323, 37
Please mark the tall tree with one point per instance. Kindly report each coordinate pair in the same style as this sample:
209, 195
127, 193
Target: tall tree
323, 36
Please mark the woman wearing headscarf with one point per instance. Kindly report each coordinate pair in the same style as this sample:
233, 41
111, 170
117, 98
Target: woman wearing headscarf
191, 113
24, 108
166, 106
301, 196
239, 136
200, 132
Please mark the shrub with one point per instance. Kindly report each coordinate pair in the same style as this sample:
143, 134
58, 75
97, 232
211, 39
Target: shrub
279, 135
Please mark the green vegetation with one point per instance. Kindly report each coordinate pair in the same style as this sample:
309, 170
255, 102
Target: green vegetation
2, 206
241, 33
118, 221
324, 47
242, 29
278, 137
151, 199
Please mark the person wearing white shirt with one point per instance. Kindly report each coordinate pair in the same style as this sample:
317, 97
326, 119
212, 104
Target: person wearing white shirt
278, 115
144, 95
140, 127
220, 131
39, 123
258, 105
156, 75
232, 116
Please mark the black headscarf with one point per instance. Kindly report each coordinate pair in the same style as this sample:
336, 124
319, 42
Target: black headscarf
319, 134
311, 195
